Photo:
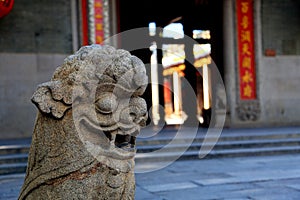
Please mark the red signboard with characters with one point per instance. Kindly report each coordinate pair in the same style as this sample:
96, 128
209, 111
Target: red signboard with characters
5, 7
98, 10
246, 50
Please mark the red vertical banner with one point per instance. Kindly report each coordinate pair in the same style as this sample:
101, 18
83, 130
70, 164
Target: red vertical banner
5, 7
246, 50
98, 18
84, 21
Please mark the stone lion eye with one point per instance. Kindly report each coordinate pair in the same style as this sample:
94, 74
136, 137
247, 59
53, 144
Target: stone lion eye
106, 103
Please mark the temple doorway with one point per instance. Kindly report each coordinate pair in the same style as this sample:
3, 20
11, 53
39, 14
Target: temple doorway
172, 60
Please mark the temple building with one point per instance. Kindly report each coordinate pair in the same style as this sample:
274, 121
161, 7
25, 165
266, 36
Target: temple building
232, 63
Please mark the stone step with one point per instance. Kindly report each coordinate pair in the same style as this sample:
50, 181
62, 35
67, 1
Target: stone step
14, 158
12, 176
14, 149
256, 151
13, 168
221, 145
225, 136
234, 143
231, 143
172, 156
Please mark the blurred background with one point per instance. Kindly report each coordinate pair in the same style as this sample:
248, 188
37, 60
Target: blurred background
253, 45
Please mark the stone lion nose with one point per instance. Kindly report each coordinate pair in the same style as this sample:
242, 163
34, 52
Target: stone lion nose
136, 112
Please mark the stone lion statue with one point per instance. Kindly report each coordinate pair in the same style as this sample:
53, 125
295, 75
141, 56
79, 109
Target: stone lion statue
83, 144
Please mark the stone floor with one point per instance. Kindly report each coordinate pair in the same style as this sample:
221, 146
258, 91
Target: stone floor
259, 178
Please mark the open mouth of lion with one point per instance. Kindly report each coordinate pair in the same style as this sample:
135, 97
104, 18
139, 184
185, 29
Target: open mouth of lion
122, 141
117, 141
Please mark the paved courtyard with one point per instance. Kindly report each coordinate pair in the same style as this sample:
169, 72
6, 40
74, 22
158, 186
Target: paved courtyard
259, 178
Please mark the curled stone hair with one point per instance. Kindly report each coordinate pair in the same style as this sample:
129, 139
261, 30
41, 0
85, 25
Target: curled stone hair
103, 65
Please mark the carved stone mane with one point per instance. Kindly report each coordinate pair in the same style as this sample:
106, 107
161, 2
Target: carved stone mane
90, 113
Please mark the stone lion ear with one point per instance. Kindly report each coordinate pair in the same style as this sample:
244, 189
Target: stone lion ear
46, 103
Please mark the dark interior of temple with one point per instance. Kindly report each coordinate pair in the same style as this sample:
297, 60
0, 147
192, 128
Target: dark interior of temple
192, 14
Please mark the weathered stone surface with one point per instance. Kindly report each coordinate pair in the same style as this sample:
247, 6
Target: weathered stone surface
89, 115
37, 26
